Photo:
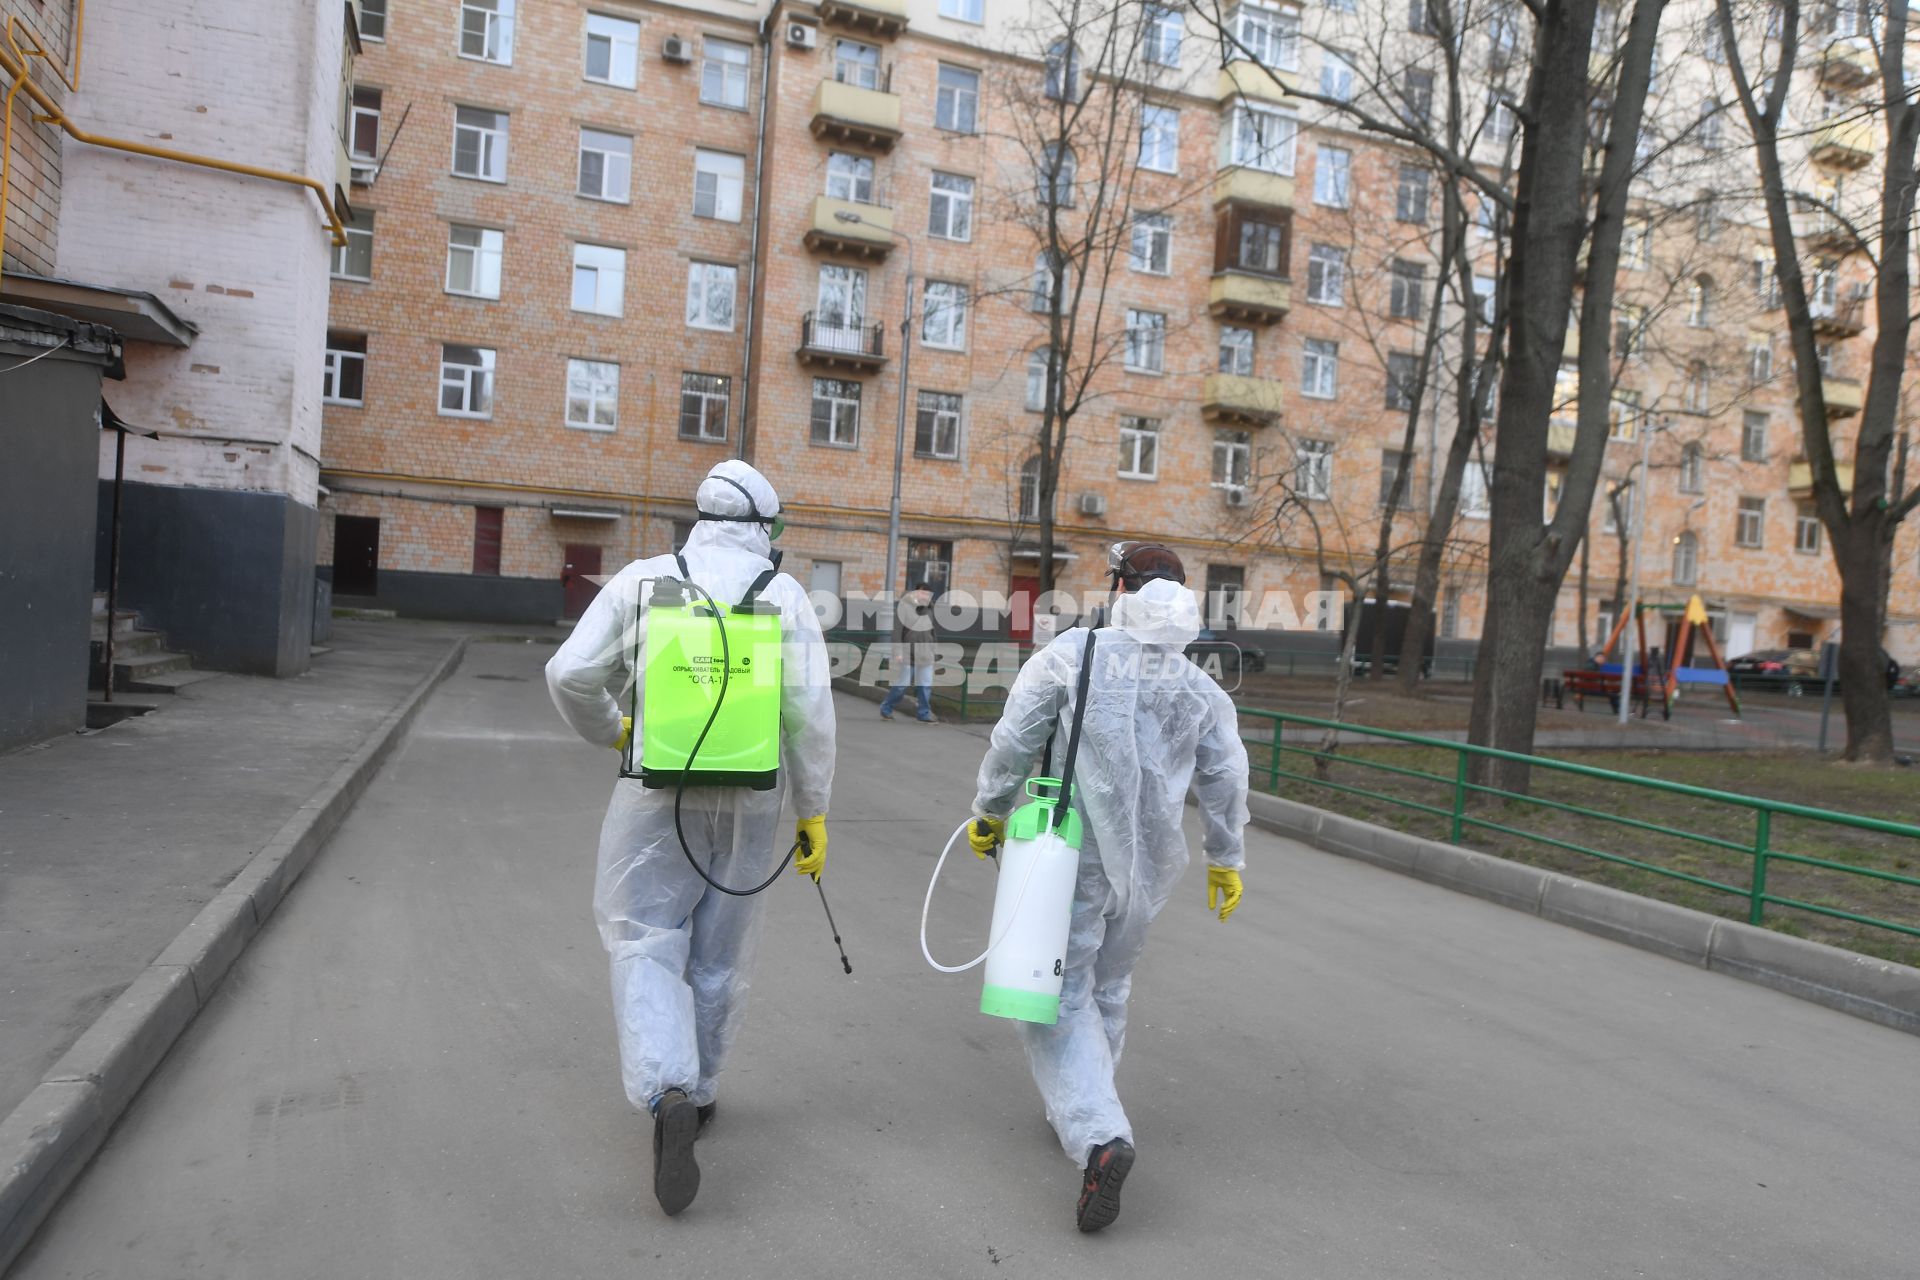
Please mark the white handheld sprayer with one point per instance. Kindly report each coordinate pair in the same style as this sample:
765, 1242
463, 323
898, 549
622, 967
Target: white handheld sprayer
1026, 953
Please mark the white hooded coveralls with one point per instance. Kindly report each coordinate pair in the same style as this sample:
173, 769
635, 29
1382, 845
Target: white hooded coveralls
681, 950
1154, 723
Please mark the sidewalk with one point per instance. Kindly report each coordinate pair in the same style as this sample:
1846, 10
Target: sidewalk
111, 842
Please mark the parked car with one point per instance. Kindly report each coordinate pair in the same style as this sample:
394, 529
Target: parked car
1222, 658
1793, 671
1907, 684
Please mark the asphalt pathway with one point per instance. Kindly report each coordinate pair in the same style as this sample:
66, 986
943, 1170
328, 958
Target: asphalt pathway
412, 1072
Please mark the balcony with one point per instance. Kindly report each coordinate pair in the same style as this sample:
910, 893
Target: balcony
855, 117
1240, 185
883, 18
1560, 435
1242, 78
1844, 396
1239, 401
865, 233
1800, 477
1828, 234
1838, 319
1249, 298
1848, 63
833, 344
1842, 144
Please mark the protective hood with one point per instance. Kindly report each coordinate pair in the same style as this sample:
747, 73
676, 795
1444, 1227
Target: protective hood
716, 497
1160, 612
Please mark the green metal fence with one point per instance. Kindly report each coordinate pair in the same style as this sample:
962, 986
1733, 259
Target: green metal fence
1459, 818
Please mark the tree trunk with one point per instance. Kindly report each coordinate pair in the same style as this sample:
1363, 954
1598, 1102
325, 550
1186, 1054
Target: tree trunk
1863, 569
1580, 629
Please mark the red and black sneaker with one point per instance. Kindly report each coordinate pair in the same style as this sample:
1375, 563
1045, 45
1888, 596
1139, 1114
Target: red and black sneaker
1107, 1169
676, 1178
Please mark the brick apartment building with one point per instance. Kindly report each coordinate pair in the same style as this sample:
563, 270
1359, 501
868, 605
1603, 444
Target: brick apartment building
602, 245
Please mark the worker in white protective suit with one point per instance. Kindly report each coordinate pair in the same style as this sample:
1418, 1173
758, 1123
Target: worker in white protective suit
681, 950
1154, 723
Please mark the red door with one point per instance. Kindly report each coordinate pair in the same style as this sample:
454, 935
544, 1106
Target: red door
582, 567
1021, 593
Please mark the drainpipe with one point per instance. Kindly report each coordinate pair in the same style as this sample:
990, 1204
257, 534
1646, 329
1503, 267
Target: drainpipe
753, 245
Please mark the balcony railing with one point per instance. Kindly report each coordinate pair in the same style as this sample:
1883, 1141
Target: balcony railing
856, 116
1844, 395
865, 231
1248, 297
836, 342
883, 18
1840, 318
1845, 143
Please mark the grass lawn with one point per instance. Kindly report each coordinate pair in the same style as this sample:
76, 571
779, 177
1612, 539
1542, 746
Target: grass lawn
1800, 777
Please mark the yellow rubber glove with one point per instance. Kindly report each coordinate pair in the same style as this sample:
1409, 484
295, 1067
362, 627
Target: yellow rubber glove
984, 834
812, 858
626, 733
1223, 890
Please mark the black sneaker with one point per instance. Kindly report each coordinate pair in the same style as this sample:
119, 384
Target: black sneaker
1107, 1169
676, 1178
706, 1114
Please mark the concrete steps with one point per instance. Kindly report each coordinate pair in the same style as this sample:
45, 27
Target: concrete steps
142, 663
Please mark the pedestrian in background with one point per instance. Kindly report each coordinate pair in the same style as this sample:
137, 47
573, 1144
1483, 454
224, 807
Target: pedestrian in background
913, 653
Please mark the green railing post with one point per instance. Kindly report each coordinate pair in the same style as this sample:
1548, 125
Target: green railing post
1273, 759
1757, 900
1459, 793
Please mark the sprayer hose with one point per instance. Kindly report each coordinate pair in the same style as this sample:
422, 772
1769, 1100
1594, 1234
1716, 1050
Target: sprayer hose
927, 905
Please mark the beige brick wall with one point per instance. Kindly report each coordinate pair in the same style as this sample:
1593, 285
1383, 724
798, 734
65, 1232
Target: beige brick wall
33, 179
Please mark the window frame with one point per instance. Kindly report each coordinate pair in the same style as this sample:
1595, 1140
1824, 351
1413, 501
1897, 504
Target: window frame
357, 232
1805, 518
595, 386
1320, 367
580, 170
717, 389
929, 418
357, 111
1753, 443
1139, 431
976, 14
703, 266
479, 253
1166, 134
1236, 347
1163, 31
587, 38
1331, 261
1237, 449
501, 132
949, 201
1750, 508
1152, 347
1158, 230
1407, 289
726, 69
955, 305
1413, 200
496, 27
1264, 156
601, 271
835, 403
722, 182
484, 372
1326, 174
1313, 469
377, 9
948, 99
334, 369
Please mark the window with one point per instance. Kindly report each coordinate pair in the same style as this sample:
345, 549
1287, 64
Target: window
1714, 48
613, 51
1759, 357
1486, 297
1226, 595
1055, 180
1750, 524
836, 412
599, 279
936, 429
1693, 469
1753, 436
1500, 118
1403, 374
931, 562
345, 378
956, 101
1450, 616
363, 133
973, 11
1393, 464
1327, 275
710, 287
1232, 459
944, 315
1253, 239
1623, 415
1699, 389
1332, 176
606, 165
1063, 71
1049, 271
1164, 28
1407, 288
1139, 448
1629, 329
1636, 244
466, 381
1039, 372
1236, 351
1706, 132
1415, 193
704, 402
1486, 219
593, 394
473, 261
1420, 18
1263, 138
1271, 35
1686, 559
856, 63
1825, 356
1146, 341
1700, 302
487, 523
950, 209
1030, 488
1313, 468
723, 73
718, 181
480, 144
840, 307
1319, 368
1152, 243
1159, 138
354, 259
1476, 491
1336, 76
1416, 96
373, 20
1503, 36
850, 177
1806, 530
1706, 217
486, 30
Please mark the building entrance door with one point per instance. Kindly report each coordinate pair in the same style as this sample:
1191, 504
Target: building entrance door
1021, 593
356, 555
1740, 629
582, 565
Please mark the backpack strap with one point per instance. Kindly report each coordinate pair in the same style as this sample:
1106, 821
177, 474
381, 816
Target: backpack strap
1073, 735
753, 592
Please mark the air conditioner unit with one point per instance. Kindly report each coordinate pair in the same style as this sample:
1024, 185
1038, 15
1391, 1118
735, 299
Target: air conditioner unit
364, 174
1093, 504
1238, 497
676, 49
802, 35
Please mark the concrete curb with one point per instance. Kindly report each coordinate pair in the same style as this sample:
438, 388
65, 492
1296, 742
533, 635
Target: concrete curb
1877, 990
47, 1140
